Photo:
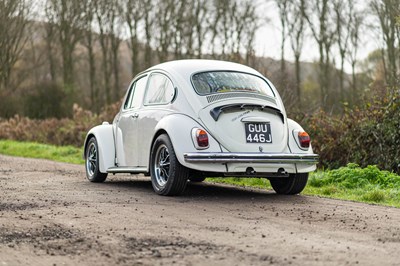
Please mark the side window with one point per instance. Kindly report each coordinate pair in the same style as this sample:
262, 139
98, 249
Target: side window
135, 94
160, 90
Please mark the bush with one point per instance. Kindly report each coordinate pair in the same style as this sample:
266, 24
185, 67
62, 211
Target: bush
375, 195
353, 176
367, 136
46, 100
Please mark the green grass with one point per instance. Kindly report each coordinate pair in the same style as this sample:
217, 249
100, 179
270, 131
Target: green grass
66, 154
352, 182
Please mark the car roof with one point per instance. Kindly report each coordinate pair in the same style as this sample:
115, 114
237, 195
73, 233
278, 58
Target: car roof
187, 67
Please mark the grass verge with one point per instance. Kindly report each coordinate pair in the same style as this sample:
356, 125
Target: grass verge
66, 154
352, 182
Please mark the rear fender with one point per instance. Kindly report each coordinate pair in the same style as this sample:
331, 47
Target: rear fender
294, 127
105, 141
179, 128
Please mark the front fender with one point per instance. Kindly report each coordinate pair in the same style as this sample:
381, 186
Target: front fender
179, 128
106, 147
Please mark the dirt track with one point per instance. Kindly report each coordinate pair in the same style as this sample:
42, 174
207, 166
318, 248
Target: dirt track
50, 214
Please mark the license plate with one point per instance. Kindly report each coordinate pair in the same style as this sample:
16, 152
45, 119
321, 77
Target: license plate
258, 132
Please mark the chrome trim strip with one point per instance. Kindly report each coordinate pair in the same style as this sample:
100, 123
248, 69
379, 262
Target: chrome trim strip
134, 170
228, 157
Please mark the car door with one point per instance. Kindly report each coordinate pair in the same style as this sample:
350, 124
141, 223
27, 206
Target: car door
156, 104
127, 125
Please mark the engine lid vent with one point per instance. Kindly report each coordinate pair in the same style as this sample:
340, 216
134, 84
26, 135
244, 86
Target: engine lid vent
222, 96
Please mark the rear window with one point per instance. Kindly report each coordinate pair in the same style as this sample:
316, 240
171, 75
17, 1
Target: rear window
219, 82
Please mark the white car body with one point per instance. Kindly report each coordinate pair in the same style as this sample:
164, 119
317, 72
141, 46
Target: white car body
125, 146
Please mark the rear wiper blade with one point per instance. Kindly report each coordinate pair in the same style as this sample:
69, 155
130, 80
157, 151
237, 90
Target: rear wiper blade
217, 111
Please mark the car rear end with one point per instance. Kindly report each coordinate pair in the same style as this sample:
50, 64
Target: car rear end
244, 113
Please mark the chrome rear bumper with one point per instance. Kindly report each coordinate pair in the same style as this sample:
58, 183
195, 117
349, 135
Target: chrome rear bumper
228, 157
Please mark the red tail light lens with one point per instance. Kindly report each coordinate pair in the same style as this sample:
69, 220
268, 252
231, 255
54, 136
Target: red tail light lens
304, 139
202, 138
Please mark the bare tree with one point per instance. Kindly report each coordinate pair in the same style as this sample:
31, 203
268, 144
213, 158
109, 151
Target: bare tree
283, 14
165, 28
116, 32
355, 26
251, 23
245, 24
226, 29
232, 27
149, 10
13, 22
181, 38
343, 11
68, 20
318, 14
194, 27
133, 17
50, 38
108, 18
89, 42
102, 19
296, 30
387, 12
217, 11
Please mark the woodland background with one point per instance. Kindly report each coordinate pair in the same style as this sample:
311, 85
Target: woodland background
65, 64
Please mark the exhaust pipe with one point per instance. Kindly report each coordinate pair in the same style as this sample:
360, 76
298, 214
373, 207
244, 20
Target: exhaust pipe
250, 171
282, 171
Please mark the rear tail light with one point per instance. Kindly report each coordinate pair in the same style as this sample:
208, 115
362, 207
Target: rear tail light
304, 139
200, 138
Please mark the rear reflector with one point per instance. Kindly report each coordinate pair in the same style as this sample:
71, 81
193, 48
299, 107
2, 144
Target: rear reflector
304, 139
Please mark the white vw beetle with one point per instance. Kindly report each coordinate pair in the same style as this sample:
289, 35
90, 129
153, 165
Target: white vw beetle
192, 119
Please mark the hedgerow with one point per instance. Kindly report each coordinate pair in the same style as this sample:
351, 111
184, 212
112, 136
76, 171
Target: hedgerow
369, 135
65, 131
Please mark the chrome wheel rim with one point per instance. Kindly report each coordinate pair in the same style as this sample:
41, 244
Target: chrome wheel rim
91, 159
161, 165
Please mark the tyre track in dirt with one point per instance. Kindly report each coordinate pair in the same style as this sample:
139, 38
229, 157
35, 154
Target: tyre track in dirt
50, 214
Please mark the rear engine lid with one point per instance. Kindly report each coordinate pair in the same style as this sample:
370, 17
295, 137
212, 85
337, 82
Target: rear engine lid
246, 127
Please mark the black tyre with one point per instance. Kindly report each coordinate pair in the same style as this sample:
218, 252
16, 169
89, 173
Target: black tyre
197, 179
292, 185
92, 162
168, 176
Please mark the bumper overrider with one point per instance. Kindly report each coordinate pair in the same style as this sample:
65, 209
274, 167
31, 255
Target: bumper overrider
228, 157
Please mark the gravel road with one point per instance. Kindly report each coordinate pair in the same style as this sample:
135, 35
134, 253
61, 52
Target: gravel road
51, 215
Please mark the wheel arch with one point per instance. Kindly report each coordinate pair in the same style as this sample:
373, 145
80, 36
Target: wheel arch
178, 128
85, 145
158, 133
105, 141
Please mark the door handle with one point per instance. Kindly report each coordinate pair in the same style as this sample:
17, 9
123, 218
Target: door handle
135, 115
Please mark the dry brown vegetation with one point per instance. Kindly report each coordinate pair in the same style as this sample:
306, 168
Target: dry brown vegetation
65, 131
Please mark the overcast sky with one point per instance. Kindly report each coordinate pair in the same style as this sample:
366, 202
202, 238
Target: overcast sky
268, 39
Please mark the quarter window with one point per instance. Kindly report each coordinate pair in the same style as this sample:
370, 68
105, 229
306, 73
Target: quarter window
128, 99
139, 91
135, 95
160, 90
